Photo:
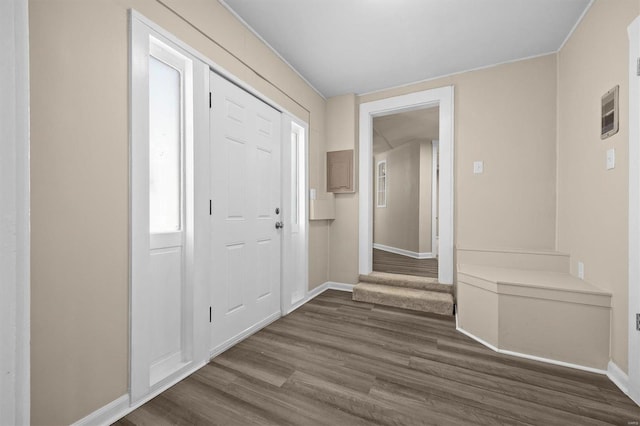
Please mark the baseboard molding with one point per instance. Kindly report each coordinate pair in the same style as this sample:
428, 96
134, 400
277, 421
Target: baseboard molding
527, 356
403, 252
332, 285
108, 414
618, 377
243, 335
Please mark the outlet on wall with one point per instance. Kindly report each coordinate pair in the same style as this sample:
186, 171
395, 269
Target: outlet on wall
581, 270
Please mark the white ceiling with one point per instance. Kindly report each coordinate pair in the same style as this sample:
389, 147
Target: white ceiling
360, 46
391, 131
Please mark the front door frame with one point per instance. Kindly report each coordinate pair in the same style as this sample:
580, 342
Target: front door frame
442, 97
138, 19
633, 385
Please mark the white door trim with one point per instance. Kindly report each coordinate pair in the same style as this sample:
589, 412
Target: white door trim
634, 210
443, 97
14, 211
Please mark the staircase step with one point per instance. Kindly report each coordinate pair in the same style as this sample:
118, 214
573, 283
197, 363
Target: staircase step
406, 281
408, 298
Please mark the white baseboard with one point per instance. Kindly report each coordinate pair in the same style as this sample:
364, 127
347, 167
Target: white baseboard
332, 285
329, 285
527, 356
403, 252
618, 377
243, 335
108, 414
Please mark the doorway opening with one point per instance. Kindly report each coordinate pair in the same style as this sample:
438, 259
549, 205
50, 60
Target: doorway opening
405, 213
442, 100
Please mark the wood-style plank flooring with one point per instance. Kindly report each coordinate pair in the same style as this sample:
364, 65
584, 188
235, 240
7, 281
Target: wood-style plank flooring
383, 261
338, 362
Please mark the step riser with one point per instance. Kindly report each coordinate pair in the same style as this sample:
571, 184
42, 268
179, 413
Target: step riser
436, 307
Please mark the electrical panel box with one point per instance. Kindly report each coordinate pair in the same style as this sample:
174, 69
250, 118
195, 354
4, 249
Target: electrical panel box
340, 171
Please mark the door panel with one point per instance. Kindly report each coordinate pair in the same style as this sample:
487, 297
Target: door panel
245, 192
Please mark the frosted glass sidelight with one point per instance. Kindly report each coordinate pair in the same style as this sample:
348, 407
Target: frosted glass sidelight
165, 147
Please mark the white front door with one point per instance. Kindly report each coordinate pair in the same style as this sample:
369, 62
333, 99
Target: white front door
245, 208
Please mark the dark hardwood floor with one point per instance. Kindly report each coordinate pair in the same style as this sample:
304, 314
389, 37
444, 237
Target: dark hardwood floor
383, 261
338, 362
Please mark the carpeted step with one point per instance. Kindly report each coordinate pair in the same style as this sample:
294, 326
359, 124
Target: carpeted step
408, 298
406, 281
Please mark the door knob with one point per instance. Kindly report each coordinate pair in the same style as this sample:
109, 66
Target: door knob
279, 225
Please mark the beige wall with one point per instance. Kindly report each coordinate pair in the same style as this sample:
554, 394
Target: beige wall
79, 182
505, 116
426, 189
341, 132
400, 224
593, 201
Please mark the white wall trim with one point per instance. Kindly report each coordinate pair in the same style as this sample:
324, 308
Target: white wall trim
14, 212
634, 211
108, 414
444, 97
403, 252
618, 377
332, 285
527, 356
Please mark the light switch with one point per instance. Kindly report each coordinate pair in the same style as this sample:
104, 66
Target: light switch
312, 194
478, 167
611, 158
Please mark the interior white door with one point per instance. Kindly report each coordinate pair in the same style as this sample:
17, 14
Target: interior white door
246, 206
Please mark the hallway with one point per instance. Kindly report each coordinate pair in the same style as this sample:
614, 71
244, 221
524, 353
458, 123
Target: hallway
384, 261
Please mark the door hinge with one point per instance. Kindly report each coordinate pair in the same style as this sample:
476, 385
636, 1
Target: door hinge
210, 207
209, 100
210, 312
638, 322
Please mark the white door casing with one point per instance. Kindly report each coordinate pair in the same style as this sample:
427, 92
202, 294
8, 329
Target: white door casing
295, 213
168, 140
14, 211
443, 97
245, 280
634, 212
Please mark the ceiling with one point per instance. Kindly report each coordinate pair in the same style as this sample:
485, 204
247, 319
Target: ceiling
391, 131
360, 46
